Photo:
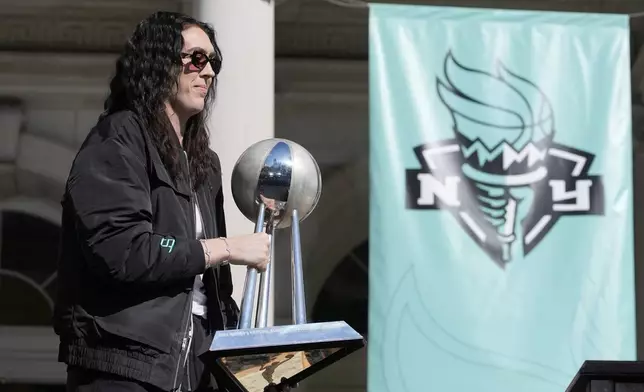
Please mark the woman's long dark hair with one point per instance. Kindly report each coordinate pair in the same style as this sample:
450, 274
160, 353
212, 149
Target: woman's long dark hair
147, 73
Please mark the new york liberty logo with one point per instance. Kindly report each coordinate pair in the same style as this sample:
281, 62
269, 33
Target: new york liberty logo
503, 176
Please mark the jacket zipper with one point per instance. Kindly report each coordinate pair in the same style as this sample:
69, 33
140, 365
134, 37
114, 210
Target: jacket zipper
188, 330
214, 271
184, 346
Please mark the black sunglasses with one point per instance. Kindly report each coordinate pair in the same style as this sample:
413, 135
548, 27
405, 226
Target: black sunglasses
199, 60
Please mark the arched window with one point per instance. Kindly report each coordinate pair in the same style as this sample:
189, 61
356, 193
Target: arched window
345, 294
28, 250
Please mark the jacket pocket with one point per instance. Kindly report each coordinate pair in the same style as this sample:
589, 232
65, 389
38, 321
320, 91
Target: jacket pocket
154, 323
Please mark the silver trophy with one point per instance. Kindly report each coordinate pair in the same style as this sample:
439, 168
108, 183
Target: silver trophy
276, 183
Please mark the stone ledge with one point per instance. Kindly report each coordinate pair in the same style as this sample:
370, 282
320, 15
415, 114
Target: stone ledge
11, 119
8, 186
24, 349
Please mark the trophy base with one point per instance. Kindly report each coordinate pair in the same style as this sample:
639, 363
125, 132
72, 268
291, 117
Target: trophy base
248, 360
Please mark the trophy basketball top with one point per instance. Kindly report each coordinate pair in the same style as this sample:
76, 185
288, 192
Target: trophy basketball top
282, 175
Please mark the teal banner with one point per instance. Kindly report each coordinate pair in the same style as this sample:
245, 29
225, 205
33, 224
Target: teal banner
501, 229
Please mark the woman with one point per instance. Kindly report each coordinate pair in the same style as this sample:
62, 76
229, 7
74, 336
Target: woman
143, 270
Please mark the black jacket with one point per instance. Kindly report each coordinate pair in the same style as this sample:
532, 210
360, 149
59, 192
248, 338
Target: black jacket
129, 257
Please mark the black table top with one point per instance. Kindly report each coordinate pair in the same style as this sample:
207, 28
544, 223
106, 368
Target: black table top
619, 371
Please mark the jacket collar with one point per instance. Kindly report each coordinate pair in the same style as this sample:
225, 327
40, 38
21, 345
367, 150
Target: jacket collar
181, 186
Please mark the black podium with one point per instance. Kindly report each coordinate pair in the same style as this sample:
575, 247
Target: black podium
609, 376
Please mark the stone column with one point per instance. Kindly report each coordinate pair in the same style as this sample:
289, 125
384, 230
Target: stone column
244, 108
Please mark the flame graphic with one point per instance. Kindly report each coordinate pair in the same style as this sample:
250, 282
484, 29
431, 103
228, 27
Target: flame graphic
495, 109
505, 126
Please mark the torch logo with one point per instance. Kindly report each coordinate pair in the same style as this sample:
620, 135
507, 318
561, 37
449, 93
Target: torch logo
503, 176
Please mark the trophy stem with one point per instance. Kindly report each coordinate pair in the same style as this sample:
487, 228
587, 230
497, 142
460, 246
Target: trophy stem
299, 300
250, 288
265, 284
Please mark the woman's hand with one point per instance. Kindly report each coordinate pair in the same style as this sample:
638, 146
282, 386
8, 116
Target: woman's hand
251, 250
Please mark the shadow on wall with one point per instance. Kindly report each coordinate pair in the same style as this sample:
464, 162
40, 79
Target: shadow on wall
637, 85
638, 202
637, 79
